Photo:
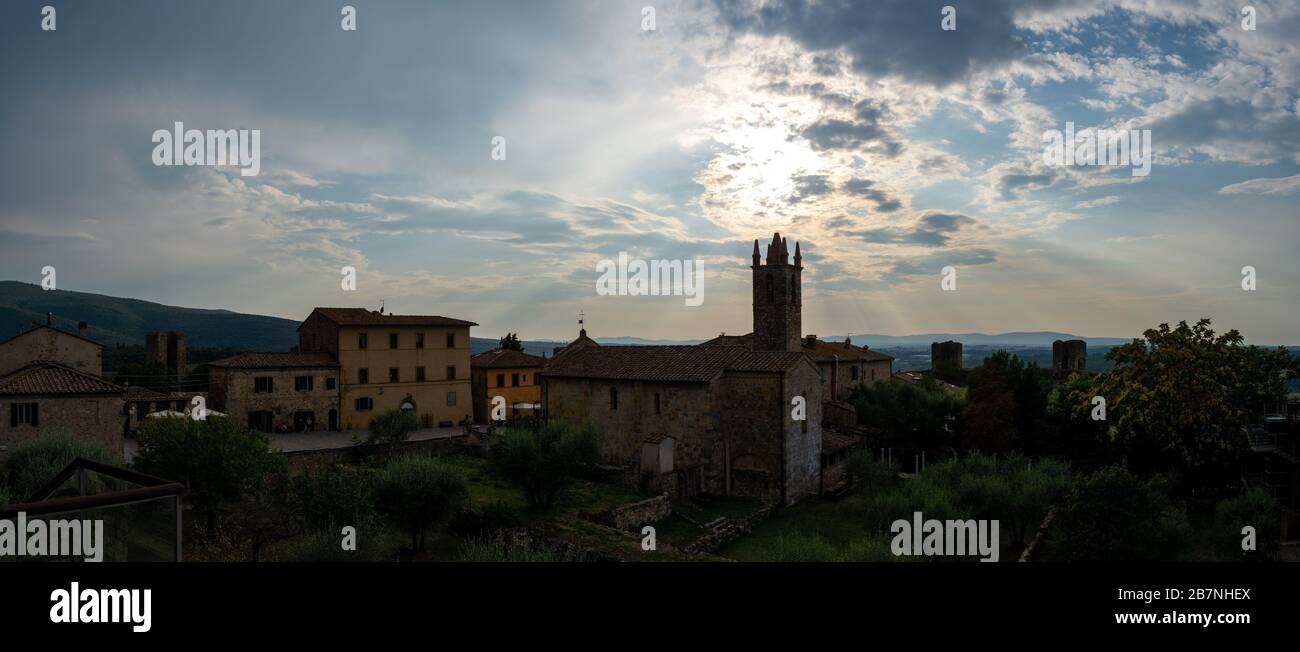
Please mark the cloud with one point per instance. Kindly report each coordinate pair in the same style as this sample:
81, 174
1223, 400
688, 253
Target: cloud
1264, 186
1100, 201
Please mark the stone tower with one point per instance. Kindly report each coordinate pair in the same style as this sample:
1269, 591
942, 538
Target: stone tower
945, 355
167, 348
1069, 355
778, 297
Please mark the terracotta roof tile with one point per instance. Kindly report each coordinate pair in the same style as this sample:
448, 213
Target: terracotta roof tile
275, 360
499, 359
661, 363
45, 377
363, 317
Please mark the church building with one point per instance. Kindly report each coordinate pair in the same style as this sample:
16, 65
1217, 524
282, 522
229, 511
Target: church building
735, 417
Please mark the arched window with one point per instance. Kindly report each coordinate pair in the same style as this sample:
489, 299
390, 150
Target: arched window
613, 398
770, 292
791, 289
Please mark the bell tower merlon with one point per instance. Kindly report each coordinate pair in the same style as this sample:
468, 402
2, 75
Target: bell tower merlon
778, 297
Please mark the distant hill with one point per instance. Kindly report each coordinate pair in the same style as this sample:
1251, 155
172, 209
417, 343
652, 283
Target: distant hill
116, 320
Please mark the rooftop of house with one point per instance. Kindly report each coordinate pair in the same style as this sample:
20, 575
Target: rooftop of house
36, 326
505, 358
276, 361
44, 377
819, 350
673, 363
363, 317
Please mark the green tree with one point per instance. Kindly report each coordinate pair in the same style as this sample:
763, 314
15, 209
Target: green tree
1257, 509
1181, 397
33, 464
921, 415
1113, 515
393, 426
510, 343
545, 461
1006, 405
420, 492
216, 459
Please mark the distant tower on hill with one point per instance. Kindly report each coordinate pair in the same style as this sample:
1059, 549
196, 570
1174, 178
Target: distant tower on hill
945, 355
168, 349
778, 297
1069, 356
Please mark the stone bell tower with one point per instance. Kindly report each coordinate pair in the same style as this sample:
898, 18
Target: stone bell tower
778, 298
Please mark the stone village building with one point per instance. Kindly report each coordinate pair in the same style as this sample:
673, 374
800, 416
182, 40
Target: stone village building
512, 375
717, 417
51, 380
350, 365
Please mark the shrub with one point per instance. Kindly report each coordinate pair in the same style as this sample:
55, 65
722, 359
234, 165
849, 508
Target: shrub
216, 459
420, 492
393, 426
33, 464
372, 545
484, 522
4, 496
1256, 509
544, 462
1113, 515
867, 472
502, 548
330, 496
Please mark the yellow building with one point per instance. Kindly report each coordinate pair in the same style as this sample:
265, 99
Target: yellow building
386, 362
509, 374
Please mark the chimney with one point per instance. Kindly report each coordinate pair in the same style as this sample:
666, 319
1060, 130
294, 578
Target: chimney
49, 319
810, 340
83, 329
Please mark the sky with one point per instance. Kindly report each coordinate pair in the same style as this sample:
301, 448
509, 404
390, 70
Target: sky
888, 147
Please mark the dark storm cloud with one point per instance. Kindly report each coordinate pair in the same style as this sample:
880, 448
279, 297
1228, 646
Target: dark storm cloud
867, 189
889, 37
929, 230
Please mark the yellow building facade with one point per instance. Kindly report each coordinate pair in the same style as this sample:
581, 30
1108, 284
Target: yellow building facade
394, 362
512, 375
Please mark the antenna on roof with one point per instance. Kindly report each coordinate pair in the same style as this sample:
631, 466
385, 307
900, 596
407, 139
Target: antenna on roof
381, 306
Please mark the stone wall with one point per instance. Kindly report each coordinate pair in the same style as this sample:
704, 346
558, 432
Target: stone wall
97, 418
632, 517
41, 343
298, 460
231, 392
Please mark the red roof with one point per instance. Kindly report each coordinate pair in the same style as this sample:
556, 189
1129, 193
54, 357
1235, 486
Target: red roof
275, 360
675, 363
505, 358
363, 317
43, 377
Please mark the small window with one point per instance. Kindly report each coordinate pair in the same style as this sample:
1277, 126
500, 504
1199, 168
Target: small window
514, 380
451, 399
392, 340
331, 383
419, 340
853, 372
657, 407
263, 385
501, 380
24, 414
302, 383
451, 372
361, 340
363, 376
365, 403
419, 374
770, 292
393, 375
613, 398
451, 340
